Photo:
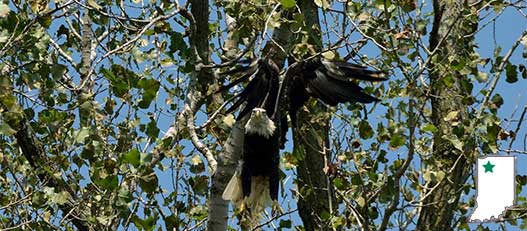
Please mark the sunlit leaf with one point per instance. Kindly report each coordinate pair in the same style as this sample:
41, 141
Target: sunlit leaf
429, 128
4, 10
81, 134
451, 116
288, 3
132, 157
396, 141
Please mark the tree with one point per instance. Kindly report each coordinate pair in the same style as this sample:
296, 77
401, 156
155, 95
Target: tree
109, 118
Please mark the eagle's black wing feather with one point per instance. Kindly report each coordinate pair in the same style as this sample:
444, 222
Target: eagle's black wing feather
247, 71
347, 71
330, 81
256, 90
332, 91
243, 95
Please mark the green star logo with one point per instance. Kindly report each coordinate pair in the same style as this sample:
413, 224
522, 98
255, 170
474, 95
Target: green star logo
488, 166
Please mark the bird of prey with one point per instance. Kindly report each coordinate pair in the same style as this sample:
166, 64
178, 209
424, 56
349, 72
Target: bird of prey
256, 182
268, 102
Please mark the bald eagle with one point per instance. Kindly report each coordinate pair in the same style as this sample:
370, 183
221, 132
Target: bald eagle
256, 181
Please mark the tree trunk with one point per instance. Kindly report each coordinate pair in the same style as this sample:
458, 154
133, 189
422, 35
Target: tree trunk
233, 147
311, 140
227, 162
452, 36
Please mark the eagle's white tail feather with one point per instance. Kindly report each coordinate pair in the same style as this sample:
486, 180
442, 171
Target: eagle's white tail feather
233, 191
259, 198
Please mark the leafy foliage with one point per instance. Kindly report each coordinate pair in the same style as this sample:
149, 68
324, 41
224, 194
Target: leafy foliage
109, 149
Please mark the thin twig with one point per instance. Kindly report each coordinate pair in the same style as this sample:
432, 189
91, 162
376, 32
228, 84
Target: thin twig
518, 127
272, 219
498, 73
61, 52
216, 113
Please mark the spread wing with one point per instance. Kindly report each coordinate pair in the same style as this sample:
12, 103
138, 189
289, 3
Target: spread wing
332, 82
262, 89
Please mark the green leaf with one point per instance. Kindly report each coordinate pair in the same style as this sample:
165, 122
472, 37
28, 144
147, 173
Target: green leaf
523, 71
448, 80
420, 26
288, 3
5, 129
365, 130
285, 224
109, 182
125, 194
61, 198
177, 43
81, 134
458, 65
396, 141
197, 165
198, 212
148, 181
458, 144
150, 88
38, 199
58, 70
199, 185
132, 157
119, 87
45, 20
497, 100
151, 129
121, 79
429, 128
340, 183
511, 73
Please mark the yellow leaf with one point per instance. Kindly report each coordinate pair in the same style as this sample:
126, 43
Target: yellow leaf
451, 116
364, 16
166, 62
229, 120
324, 4
39, 6
361, 201
4, 10
195, 160
329, 55
94, 4
524, 41
47, 215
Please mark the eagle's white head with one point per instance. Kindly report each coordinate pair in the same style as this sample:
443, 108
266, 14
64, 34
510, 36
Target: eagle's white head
259, 123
